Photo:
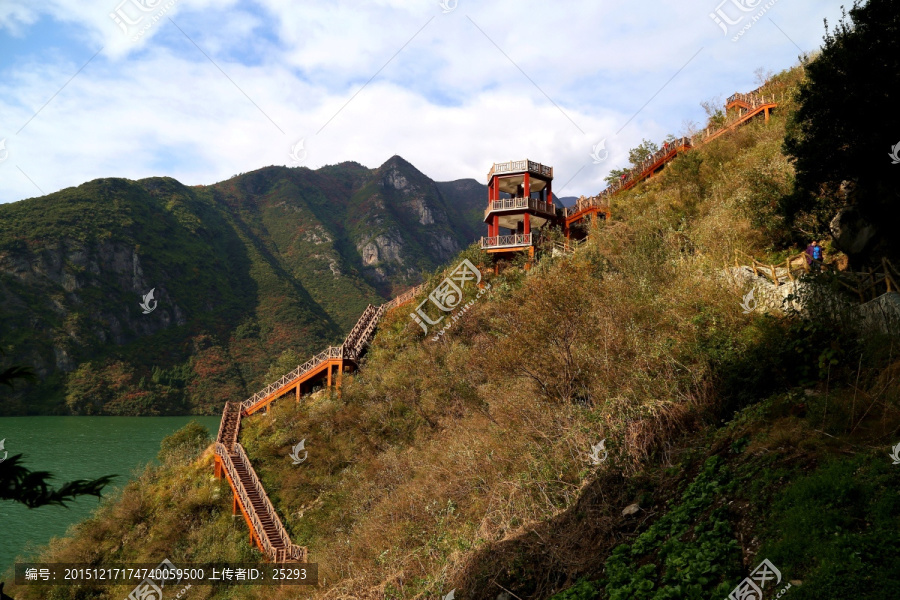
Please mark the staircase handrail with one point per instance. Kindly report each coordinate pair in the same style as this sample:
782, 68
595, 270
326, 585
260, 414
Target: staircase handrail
635, 174
585, 202
358, 336
359, 326
354, 350
752, 99
332, 352
282, 533
403, 298
222, 423
260, 531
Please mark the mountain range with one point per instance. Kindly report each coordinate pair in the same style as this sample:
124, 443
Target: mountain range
249, 276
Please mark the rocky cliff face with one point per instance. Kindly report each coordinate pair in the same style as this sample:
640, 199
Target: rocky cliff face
268, 261
66, 274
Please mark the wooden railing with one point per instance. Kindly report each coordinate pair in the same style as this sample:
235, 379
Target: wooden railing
516, 166
584, 203
284, 550
868, 283
646, 167
565, 246
751, 99
513, 203
280, 532
633, 176
794, 264
403, 298
331, 353
362, 330
351, 349
506, 241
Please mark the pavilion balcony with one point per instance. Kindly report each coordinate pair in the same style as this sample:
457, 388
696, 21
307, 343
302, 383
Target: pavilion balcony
539, 206
518, 240
520, 166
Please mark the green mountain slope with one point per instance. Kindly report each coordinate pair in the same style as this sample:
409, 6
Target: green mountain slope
265, 267
464, 464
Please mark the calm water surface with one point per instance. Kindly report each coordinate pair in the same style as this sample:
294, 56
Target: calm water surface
75, 448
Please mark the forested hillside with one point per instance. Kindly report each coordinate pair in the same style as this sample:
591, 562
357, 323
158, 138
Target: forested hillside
248, 276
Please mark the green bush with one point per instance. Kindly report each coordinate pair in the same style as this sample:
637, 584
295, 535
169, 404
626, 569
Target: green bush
185, 444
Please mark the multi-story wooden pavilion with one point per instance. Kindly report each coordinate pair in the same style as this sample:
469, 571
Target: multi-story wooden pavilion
520, 199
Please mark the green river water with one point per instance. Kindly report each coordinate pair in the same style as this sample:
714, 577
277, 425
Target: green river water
75, 448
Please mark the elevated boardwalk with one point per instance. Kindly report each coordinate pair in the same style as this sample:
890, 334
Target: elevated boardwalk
739, 110
745, 107
267, 532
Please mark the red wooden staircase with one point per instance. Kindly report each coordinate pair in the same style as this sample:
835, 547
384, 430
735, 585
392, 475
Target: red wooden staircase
739, 109
266, 529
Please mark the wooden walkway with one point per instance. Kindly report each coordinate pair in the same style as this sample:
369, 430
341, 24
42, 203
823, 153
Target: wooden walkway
867, 285
248, 495
744, 107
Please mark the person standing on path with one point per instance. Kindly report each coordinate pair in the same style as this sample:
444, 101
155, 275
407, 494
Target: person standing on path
814, 257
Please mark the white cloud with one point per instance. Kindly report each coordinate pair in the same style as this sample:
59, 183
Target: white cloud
450, 103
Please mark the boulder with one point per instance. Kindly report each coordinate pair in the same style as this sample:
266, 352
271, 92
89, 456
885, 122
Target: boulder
851, 231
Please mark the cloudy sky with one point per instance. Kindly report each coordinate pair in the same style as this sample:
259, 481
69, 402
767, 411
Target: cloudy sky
202, 90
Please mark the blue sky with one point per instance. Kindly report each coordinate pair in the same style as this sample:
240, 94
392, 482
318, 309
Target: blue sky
201, 90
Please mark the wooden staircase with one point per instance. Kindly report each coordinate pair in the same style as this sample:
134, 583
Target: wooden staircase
266, 529
743, 107
230, 425
746, 107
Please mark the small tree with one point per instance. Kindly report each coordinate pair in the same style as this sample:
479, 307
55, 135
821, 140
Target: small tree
642, 152
615, 175
715, 114
185, 444
11, 374
31, 488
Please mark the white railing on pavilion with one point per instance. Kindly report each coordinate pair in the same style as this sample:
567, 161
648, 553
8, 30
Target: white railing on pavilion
520, 166
513, 203
506, 241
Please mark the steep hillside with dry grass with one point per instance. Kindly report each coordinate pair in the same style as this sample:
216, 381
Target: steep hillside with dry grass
462, 464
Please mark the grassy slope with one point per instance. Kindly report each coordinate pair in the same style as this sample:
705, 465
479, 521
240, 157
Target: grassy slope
463, 463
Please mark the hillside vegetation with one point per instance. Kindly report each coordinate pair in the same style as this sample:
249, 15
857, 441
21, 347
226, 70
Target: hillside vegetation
249, 275
462, 464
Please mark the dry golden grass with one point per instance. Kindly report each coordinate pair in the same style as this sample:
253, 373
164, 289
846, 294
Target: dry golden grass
439, 453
